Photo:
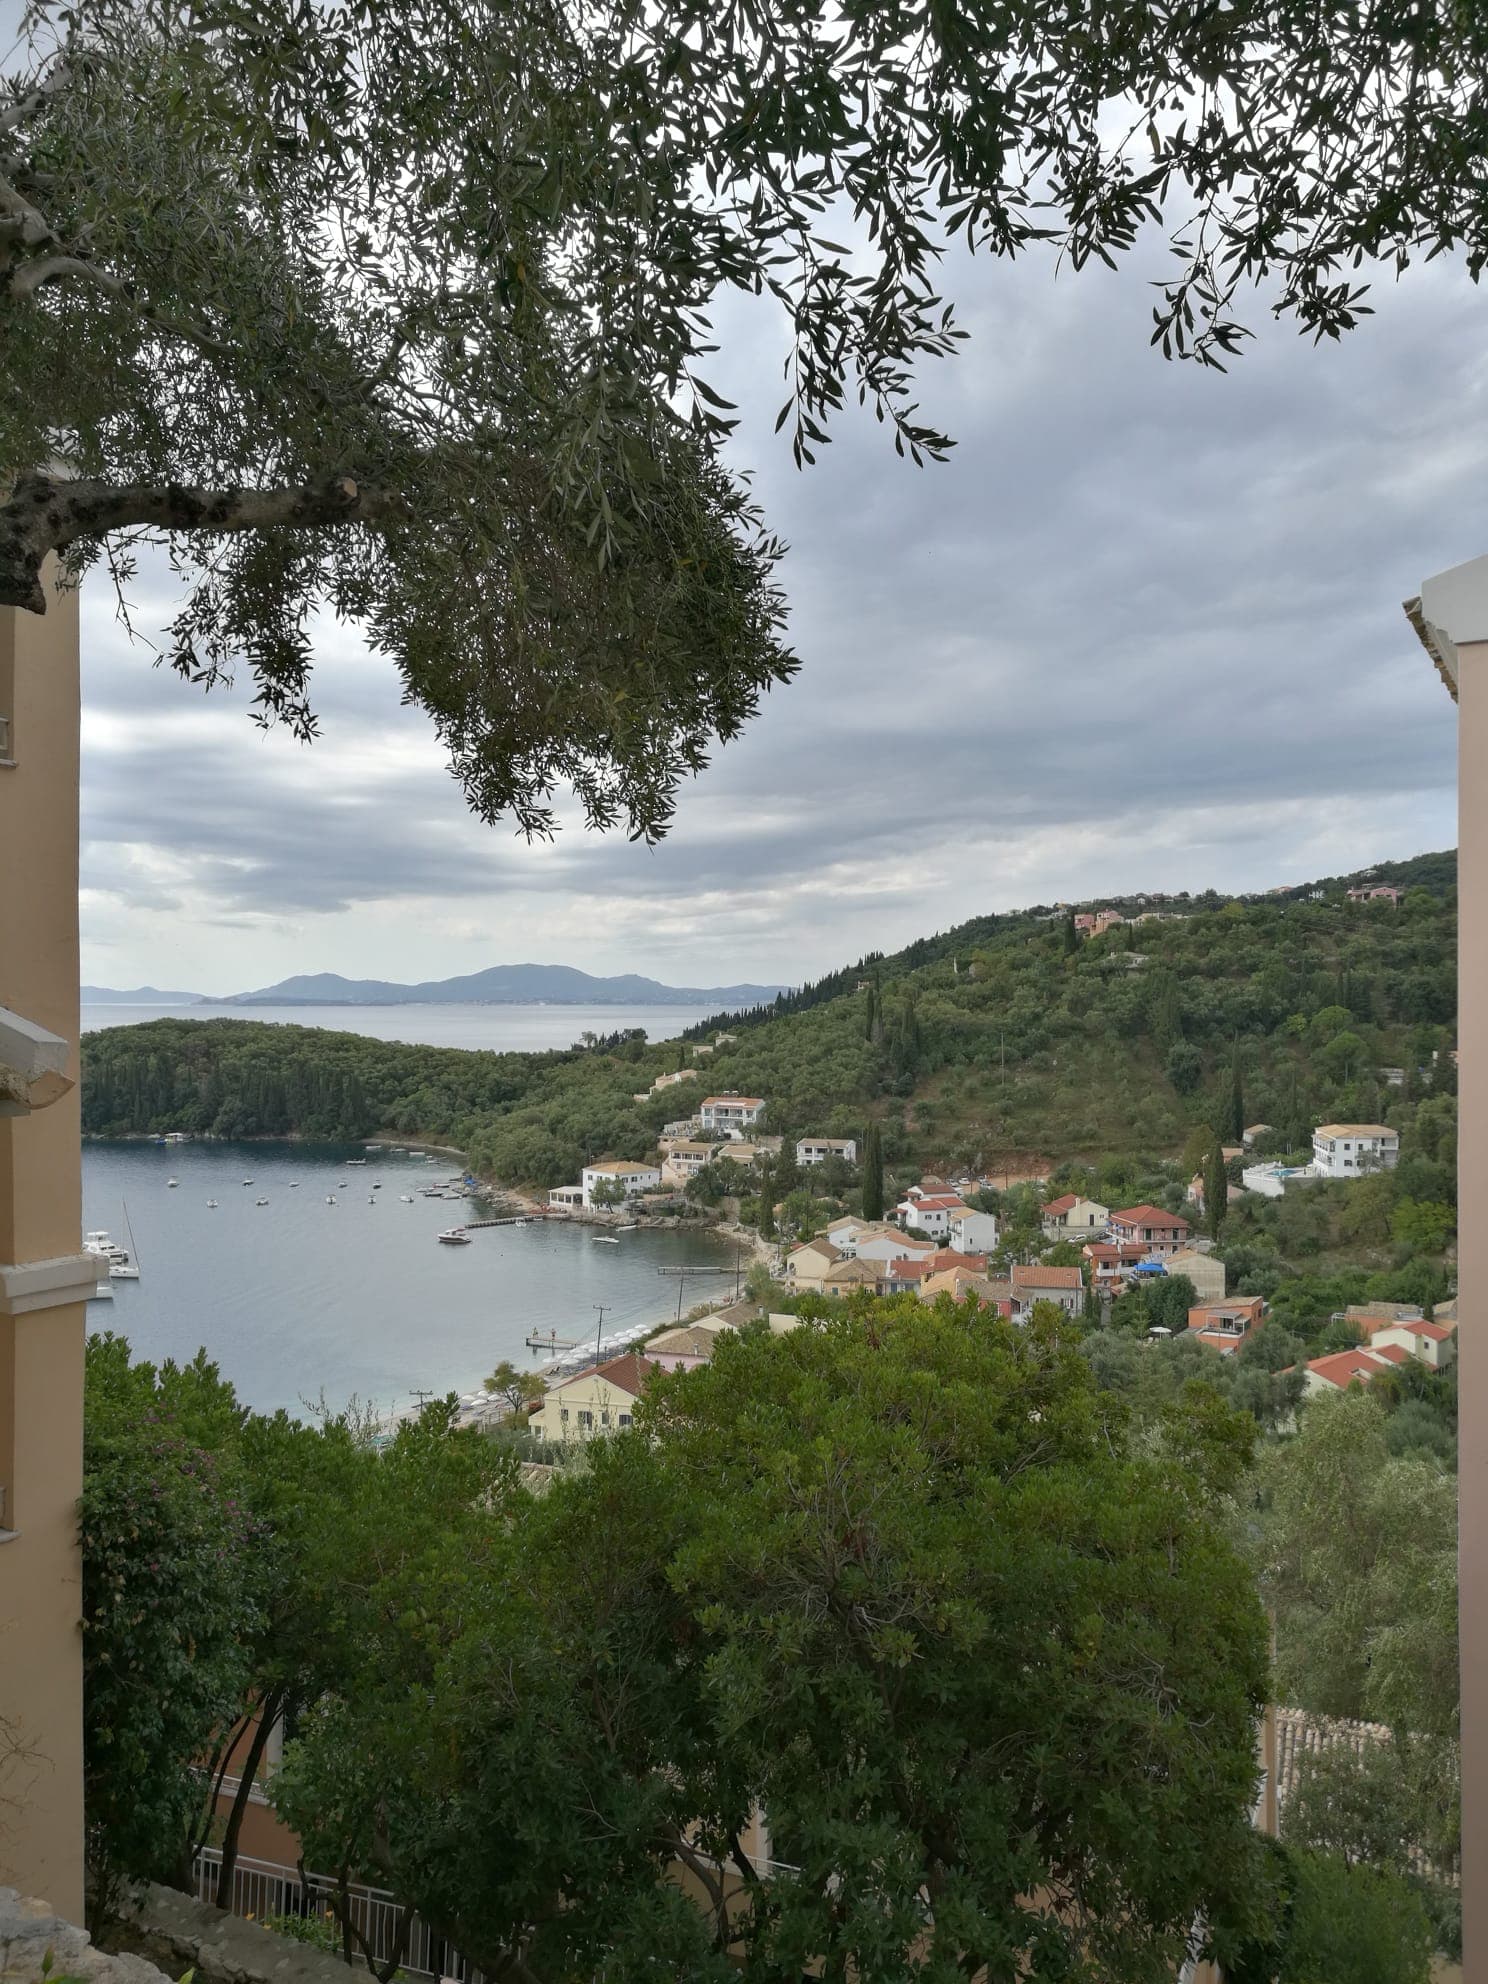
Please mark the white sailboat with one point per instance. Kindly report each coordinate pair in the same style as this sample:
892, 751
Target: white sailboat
124, 1264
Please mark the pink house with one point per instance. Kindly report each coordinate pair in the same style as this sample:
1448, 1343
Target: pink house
1381, 893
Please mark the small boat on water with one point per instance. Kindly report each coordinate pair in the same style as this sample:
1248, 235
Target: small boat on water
247, 1181
356, 1160
211, 1205
406, 1197
294, 1184
626, 1226
377, 1184
371, 1201
454, 1236
329, 1200
260, 1202
605, 1240
172, 1183
124, 1261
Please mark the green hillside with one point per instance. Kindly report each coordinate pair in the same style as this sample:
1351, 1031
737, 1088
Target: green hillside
1004, 1042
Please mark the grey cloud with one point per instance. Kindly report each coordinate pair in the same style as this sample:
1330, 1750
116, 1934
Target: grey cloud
1145, 617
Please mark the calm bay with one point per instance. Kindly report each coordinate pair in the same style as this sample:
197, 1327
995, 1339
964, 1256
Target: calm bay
297, 1298
496, 1029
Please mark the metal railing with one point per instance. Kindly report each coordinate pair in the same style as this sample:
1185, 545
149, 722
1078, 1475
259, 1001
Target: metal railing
263, 1888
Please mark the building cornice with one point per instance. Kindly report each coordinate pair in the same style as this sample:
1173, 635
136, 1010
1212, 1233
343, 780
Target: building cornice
1450, 613
27, 1286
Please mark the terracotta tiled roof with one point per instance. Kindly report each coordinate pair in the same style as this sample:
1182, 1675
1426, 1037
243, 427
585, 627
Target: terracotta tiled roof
1149, 1216
683, 1342
1343, 1366
630, 1373
1061, 1205
1396, 1353
1045, 1277
1300, 1734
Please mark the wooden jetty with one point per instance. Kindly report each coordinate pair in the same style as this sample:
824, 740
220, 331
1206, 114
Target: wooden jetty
554, 1342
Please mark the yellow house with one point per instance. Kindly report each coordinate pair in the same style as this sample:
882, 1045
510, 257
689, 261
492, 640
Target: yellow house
594, 1402
45, 1278
805, 1265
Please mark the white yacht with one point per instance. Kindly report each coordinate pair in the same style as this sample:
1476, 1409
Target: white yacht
260, 1202
454, 1236
406, 1197
211, 1205
172, 1183
330, 1201
605, 1240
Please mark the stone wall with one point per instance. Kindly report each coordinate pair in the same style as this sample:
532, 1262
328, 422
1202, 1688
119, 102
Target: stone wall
168, 1934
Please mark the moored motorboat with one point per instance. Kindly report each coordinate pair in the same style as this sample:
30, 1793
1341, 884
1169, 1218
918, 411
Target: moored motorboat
406, 1197
211, 1205
172, 1183
330, 1201
454, 1236
605, 1240
260, 1202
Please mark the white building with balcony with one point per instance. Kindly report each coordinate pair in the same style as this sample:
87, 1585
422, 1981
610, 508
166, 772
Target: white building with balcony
631, 1178
816, 1150
1352, 1150
730, 1115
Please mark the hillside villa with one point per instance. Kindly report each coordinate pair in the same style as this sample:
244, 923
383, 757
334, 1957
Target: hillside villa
1161, 1233
1344, 1150
730, 1115
618, 1173
816, 1150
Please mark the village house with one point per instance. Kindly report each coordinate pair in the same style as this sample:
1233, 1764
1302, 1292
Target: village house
1432, 1344
849, 1277
973, 1232
615, 1171
1227, 1326
806, 1264
844, 1232
748, 1150
816, 1150
904, 1276
671, 1081
959, 1283
1206, 1272
1376, 892
730, 1114
595, 1402
927, 1214
1367, 1317
680, 1349
1349, 1150
1343, 1368
566, 1198
1070, 1217
1248, 1137
1066, 1286
1111, 1261
1161, 1233
882, 1242
684, 1158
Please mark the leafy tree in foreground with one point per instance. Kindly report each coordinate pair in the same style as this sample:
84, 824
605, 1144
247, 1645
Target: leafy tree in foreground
899, 1580
170, 1602
395, 310
518, 1389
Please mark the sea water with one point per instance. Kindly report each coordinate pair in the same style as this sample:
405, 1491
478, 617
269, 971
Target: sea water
498, 1029
298, 1299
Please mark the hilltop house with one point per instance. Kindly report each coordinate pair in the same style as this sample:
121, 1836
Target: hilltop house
961, 1282
848, 1277
730, 1115
684, 1158
1348, 1367
1111, 1261
1066, 1286
816, 1150
1073, 1218
882, 1242
1378, 892
593, 1402
1161, 1233
1227, 1326
618, 1172
1348, 1150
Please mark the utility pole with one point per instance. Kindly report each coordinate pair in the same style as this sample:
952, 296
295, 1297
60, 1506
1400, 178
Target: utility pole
601, 1306
422, 1397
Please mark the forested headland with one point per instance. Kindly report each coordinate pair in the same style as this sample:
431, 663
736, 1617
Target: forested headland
1007, 1039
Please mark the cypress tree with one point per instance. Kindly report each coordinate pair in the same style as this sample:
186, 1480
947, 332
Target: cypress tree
1071, 936
767, 1202
872, 1020
1235, 1120
787, 1170
1216, 1192
873, 1175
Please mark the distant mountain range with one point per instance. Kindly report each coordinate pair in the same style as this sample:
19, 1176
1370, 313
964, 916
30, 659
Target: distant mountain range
142, 995
501, 985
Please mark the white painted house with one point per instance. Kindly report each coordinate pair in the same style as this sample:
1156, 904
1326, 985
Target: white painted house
632, 1178
816, 1150
973, 1232
1352, 1150
730, 1115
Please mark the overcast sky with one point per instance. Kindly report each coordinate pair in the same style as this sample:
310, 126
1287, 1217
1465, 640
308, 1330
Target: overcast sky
1143, 631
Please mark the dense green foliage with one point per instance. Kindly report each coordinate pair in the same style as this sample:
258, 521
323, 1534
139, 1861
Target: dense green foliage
231, 1563
902, 1580
986, 1046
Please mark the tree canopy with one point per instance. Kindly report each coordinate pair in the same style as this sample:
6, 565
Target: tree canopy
398, 309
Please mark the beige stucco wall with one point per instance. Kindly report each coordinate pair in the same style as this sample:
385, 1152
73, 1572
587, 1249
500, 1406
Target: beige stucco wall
41, 1352
582, 1394
1472, 1356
